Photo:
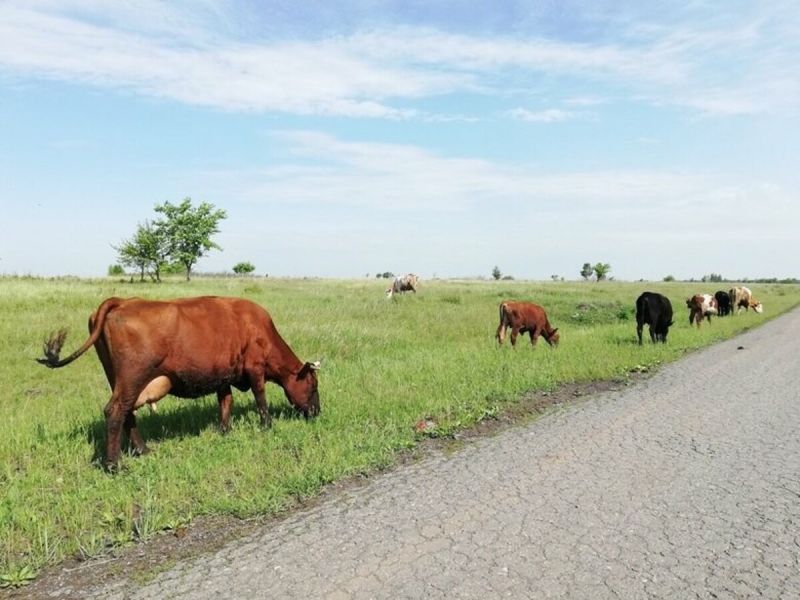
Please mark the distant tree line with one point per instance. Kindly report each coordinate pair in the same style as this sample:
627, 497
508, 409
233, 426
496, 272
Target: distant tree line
716, 278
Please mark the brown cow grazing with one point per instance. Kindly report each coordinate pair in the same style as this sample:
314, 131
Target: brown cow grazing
188, 347
522, 317
701, 306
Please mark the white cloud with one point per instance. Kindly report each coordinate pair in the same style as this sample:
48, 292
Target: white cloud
190, 53
403, 207
391, 178
550, 115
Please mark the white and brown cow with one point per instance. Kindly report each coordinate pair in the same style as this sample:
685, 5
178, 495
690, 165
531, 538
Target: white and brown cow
742, 297
406, 283
701, 306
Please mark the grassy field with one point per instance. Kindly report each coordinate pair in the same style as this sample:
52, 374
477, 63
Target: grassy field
386, 365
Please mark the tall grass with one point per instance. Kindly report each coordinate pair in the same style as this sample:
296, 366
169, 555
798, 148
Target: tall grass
386, 365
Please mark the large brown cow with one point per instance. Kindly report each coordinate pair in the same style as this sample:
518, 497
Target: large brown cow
188, 347
522, 317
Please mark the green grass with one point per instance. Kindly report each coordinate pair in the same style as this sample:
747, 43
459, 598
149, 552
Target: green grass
386, 365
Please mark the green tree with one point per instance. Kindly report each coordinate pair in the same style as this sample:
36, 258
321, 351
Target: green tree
587, 271
601, 270
115, 270
188, 230
243, 268
669, 278
497, 273
146, 251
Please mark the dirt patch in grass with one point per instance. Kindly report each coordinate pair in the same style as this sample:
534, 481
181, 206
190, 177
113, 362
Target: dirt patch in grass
142, 562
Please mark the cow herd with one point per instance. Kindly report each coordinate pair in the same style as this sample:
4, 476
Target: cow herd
655, 310
191, 347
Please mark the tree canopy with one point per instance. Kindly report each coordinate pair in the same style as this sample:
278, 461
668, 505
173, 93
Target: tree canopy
177, 240
587, 270
244, 268
601, 270
146, 251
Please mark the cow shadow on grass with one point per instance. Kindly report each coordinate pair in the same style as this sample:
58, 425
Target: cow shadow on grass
188, 419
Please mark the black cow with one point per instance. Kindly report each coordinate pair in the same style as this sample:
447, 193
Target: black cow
724, 302
655, 310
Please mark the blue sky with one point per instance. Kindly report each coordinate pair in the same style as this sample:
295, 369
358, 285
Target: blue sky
345, 138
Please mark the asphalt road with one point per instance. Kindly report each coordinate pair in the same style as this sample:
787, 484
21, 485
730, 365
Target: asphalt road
685, 485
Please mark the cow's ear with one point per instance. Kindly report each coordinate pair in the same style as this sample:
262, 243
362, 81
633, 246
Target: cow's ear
554, 330
309, 366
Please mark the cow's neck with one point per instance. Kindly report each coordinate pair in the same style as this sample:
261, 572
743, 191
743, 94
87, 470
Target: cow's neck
286, 363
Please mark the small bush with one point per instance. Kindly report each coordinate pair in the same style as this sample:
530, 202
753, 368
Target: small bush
243, 268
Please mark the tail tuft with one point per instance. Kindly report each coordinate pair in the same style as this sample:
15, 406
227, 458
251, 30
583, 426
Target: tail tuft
52, 348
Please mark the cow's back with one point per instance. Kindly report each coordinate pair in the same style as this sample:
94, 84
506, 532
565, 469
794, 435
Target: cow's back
524, 314
198, 339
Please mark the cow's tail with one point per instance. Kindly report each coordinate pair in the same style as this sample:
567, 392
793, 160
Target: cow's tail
53, 344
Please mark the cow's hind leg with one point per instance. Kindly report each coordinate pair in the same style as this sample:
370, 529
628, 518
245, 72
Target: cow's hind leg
119, 413
501, 333
114, 420
133, 435
225, 399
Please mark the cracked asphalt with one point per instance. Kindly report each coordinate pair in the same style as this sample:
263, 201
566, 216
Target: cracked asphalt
684, 485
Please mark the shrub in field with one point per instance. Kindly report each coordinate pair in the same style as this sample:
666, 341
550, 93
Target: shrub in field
243, 268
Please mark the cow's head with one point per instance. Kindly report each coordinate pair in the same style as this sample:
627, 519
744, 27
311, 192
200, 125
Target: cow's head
756, 305
552, 337
302, 392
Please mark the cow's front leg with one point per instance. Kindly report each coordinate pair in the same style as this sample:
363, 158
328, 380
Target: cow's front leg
514, 334
534, 333
257, 383
225, 399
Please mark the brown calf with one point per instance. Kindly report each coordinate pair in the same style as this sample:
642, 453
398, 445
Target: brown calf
522, 317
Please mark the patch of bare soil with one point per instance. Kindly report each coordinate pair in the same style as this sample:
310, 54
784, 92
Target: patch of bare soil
75, 578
